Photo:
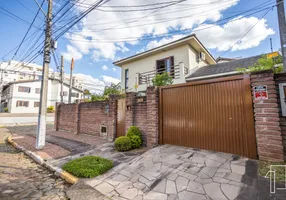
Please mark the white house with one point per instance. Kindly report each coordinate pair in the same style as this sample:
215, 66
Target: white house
24, 96
179, 58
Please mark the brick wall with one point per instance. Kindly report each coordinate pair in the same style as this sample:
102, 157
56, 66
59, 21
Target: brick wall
67, 117
267, 122
88, 118
143, 112
281, 78
140, 119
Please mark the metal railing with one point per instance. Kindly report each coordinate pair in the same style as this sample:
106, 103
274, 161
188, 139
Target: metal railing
146, 77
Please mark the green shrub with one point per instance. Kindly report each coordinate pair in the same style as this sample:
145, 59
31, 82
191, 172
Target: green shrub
133, 130
162, 79
50, 109
135, 136
136, 141
6, 109
122, 143
88, 166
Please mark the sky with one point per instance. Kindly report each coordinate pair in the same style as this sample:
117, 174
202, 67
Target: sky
122, 28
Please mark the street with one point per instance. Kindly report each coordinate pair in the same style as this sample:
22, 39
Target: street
21, 120
21, 178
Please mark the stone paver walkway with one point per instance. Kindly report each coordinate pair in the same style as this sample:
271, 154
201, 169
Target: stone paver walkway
175, 173
21, 178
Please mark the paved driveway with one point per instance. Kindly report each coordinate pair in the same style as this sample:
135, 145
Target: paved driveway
177, 173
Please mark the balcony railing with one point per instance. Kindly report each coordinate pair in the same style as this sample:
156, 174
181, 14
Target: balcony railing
174, 72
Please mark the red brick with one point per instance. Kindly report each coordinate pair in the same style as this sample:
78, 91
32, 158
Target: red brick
266, 105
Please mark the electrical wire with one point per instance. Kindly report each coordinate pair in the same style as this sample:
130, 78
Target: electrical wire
27, 32
152, 37
245, 33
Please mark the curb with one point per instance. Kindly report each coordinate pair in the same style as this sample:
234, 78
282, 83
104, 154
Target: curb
58, 171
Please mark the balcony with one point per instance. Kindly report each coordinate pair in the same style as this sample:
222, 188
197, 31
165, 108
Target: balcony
176, 72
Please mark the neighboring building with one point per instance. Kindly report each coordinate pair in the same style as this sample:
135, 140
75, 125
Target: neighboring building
24, 96
18, 71
222, 59
223, 68
178, 58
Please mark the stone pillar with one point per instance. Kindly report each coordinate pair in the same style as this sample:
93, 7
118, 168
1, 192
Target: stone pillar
281, 78
266, 112
113, 112
57, 116
152, 133
130, 109
77, 118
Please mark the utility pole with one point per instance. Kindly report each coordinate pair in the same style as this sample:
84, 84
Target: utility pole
62, 79
71, 80
282, 29
41, 130
271, 46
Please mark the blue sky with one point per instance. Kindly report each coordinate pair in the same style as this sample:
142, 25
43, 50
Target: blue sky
96, 58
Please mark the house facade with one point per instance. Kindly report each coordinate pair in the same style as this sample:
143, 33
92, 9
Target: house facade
24, 96
178, 58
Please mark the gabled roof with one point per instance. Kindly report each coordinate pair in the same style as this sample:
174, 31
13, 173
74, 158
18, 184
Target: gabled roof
190, 39
224, 67
225, 59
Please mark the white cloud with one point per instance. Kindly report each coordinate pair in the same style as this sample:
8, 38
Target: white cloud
94, 85
114, 69
108, 80
72, 52
108, 33
223, 37
163, 41
104, 67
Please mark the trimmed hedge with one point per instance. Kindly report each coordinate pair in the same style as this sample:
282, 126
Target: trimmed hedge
88, 166
135, 136
133, 130
136, 141
122, 143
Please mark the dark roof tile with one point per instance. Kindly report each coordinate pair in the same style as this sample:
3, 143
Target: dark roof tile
224, 67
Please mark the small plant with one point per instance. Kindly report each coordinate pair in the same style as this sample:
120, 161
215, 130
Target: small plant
162, 79
136, 141
122, 143
135, 136
264, 63
6, 109
88, 166
50, 109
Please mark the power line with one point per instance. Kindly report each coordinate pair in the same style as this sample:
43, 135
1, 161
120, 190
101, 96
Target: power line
28, 9
245, 33
152, 37
16, 17
27, 31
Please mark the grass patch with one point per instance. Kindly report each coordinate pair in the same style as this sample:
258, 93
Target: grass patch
88, 166
264, 167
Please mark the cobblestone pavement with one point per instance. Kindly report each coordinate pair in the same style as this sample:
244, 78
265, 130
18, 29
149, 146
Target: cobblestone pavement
21, 178
177, 173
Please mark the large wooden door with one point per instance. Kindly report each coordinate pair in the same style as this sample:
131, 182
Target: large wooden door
120, 130
212, 114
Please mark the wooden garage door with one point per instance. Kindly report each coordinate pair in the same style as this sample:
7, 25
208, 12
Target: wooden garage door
212, 114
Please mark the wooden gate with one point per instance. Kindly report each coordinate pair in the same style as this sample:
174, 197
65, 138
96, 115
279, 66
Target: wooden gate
212, 114
120, 126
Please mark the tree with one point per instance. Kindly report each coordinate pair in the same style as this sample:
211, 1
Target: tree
112, 89
162, 79
86, 92
264, 63
108, 90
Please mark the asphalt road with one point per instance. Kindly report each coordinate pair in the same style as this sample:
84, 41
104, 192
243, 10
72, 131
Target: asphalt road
4, 121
